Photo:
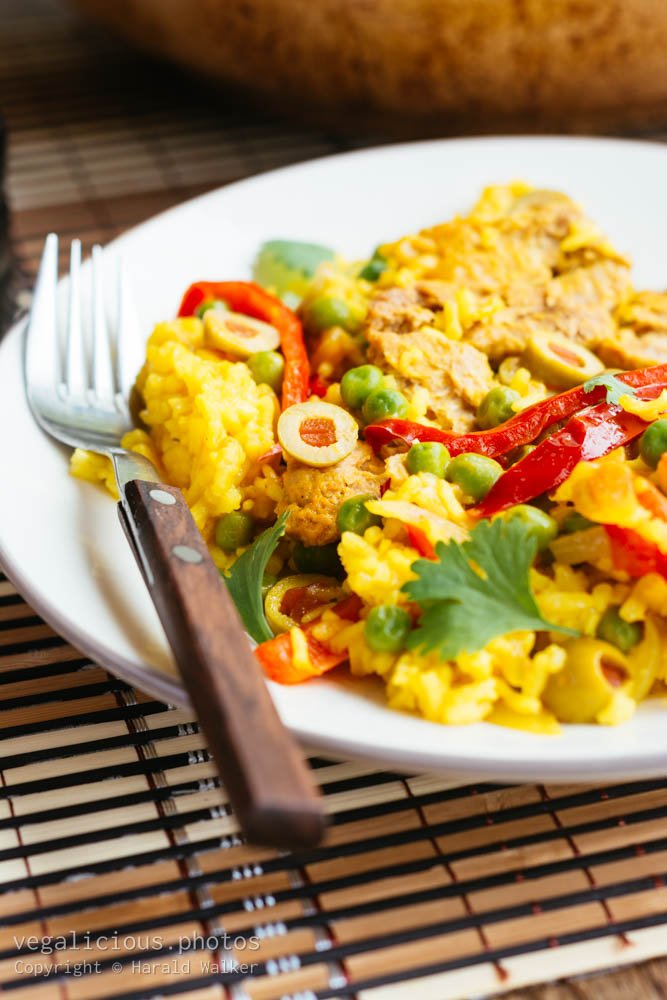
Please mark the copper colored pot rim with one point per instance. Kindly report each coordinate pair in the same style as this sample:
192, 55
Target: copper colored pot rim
420, 66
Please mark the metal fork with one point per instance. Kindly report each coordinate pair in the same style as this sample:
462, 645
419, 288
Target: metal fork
83, 402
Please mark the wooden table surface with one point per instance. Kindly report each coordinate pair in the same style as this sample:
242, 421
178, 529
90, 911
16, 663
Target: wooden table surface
60, 79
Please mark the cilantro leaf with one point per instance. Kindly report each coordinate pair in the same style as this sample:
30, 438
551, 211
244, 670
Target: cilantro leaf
477, 590
244, 580
286, 267
615, 388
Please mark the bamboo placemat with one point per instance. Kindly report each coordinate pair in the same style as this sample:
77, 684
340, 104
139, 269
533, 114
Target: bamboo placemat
123, 873
116, 840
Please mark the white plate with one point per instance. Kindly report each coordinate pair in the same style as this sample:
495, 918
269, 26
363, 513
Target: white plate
60, 540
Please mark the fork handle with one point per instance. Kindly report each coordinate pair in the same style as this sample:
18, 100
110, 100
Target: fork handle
269, 784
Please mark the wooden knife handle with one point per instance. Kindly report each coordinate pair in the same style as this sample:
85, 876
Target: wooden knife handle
269, 784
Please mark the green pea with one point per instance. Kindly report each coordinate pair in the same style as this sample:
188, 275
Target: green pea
267, 367
541, 525
496, 407
317, 559
234, 530
328, 311
216, 304
384, 403
653, 442
475, 474
619, 633
574, 521
374, 268
354, 516
357, 384
387, 628
428, 456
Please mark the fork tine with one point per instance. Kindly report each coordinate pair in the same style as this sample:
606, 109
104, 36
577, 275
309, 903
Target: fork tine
76, 374
102, 366
129, 344
42, 351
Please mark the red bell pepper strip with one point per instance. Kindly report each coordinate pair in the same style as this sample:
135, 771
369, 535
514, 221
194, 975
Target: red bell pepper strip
349, 608
277, 655
588, 435
277, 659
631, 551
420, 541
250, 299
634, 554
519, 430
318, 387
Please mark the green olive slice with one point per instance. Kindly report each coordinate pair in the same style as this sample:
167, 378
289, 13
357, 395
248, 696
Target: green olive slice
557, 361
317, 433
237, 334
291, 599
593, 671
